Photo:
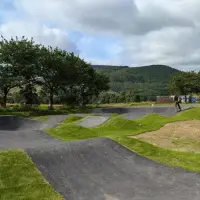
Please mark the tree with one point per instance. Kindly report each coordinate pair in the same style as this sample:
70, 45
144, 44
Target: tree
100, 83
84, 82
56, 71
178, 84
137, 98
53, 71
7, 82
185, 83
22, 56
109, 97
30, 95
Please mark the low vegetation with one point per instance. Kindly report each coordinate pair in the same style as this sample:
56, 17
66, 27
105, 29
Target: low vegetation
42, 110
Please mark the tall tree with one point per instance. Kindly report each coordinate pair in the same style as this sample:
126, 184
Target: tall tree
22, 55
88, 82
83, 83
7, 82
184, 83
53, 71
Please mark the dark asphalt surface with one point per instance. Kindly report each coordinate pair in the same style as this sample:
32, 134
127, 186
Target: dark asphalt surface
93, 121
137, 112
19, 132
101, 169
96, 169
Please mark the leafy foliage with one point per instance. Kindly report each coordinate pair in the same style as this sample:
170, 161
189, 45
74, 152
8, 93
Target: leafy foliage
59, 74
185, 83
7, 82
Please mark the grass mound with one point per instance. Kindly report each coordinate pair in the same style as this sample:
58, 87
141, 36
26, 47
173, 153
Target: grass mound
68, 130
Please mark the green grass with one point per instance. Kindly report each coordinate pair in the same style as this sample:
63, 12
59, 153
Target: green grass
120, 129
42, 110
19, 179
40, 118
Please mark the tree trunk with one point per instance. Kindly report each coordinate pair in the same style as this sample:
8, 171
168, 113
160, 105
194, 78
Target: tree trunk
5, 94
51, 100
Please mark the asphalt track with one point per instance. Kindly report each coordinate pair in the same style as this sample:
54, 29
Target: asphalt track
93, 121
137, 112
96, 169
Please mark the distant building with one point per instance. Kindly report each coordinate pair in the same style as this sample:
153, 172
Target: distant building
164, 99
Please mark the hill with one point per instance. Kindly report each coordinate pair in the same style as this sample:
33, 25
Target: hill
149, 80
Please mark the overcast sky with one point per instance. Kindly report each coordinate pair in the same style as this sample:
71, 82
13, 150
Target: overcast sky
116, 32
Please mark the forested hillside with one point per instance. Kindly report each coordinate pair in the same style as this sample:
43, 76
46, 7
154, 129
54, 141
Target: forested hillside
145, 81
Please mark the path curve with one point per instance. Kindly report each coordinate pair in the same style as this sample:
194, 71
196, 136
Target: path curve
137, 112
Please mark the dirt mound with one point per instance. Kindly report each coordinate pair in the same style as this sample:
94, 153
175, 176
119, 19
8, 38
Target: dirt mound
181, 136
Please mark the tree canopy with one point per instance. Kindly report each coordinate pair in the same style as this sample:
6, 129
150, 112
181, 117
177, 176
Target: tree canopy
185, 83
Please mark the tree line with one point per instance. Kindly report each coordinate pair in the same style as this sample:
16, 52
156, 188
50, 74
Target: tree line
181, 83
39, 74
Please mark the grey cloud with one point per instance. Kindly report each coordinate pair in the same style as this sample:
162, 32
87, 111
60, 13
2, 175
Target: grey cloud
152, 31
113, 16
124, 17
41, 34
175, 47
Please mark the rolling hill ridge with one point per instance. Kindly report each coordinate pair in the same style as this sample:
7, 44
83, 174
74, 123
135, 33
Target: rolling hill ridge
149, 80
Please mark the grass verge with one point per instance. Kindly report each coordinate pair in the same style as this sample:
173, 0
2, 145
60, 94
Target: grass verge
19, 178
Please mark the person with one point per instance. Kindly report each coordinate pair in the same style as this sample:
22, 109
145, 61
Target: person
177, 100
